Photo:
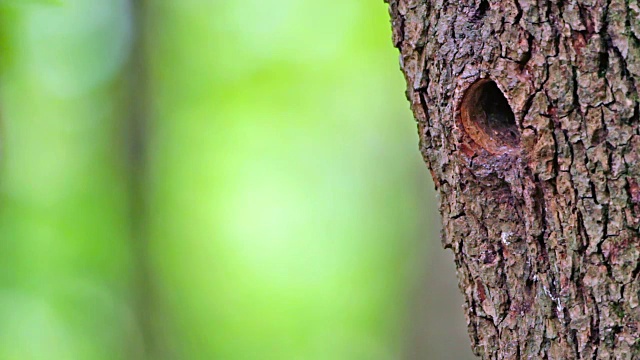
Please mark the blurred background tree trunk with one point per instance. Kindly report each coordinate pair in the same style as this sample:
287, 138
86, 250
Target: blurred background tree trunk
527, 113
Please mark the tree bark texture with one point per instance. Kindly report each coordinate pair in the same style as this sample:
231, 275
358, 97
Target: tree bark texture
528, 119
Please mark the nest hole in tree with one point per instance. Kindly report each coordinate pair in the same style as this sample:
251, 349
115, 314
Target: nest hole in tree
488, 119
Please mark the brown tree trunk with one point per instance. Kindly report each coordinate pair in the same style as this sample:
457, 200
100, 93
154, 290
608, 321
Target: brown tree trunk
527, 113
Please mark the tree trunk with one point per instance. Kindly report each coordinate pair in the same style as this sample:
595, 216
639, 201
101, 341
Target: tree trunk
528, 119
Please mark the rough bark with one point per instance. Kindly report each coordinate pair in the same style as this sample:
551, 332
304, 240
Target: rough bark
528, 118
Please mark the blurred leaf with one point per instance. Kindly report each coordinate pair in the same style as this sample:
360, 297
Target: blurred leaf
64, 216
30, 2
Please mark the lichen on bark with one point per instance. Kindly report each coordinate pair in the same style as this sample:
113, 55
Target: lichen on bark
546, 235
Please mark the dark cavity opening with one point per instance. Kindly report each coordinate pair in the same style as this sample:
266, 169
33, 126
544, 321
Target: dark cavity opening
488, 119
481, 10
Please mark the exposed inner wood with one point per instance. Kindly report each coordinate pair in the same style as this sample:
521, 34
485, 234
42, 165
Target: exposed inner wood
488, 119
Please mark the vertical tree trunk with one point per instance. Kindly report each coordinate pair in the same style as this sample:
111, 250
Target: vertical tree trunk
527, 113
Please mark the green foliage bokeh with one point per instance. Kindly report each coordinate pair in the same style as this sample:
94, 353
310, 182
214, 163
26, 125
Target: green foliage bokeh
278, 213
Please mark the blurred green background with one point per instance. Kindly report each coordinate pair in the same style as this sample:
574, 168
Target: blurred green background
191, 179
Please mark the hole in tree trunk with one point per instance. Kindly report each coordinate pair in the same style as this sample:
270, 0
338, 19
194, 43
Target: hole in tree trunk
488, 119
